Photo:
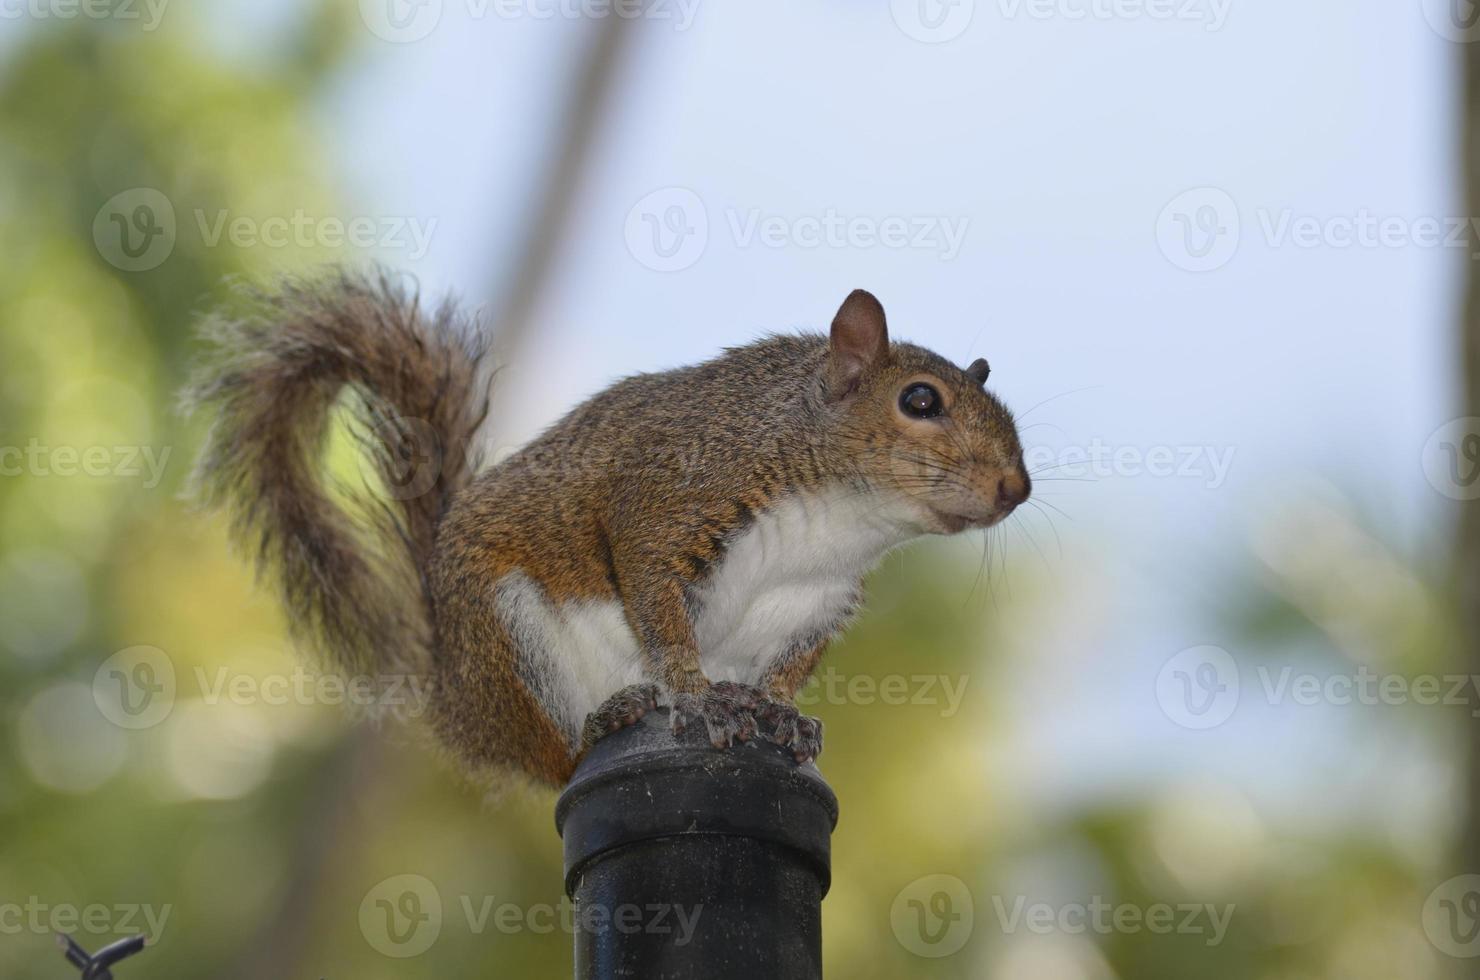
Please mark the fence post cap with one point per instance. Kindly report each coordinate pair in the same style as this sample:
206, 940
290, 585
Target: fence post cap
643, 783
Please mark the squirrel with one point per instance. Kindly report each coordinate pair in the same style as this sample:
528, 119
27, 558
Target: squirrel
692, 538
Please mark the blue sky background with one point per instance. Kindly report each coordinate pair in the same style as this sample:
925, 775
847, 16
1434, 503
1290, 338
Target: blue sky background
1060, 142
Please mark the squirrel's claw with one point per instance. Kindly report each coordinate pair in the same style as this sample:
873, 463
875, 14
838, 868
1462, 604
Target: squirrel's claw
621, 710
798, 732
732, 712
744, 696
728, 716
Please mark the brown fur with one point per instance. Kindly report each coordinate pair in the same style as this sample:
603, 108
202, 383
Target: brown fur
353, 589
633, 496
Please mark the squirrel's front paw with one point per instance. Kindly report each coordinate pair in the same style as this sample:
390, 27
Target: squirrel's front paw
789, 727
623, 709
727, 715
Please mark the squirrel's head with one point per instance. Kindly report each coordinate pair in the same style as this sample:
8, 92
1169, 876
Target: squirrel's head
917, 424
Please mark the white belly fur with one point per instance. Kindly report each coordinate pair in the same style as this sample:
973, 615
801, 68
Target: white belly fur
794, 573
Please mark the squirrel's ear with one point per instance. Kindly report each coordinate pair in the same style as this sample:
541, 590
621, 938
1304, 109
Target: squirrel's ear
860, 339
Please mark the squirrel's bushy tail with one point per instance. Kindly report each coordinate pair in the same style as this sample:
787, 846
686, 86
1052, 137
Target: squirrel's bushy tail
350, 565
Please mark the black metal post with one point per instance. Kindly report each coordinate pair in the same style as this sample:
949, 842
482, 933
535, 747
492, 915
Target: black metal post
686, 861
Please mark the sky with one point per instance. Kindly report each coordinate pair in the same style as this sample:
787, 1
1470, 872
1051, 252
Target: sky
1199, 234
1049, 146
1051, 169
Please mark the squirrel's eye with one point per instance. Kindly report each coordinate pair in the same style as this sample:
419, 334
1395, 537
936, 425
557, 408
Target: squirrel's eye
921, 401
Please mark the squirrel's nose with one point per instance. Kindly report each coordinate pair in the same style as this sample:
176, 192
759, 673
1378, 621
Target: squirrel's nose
1013, 489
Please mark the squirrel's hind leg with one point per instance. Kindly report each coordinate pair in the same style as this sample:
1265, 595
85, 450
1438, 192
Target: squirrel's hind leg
621, 710
483, 710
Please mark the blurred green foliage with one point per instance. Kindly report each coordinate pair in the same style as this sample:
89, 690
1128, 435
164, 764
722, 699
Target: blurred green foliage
261, 828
